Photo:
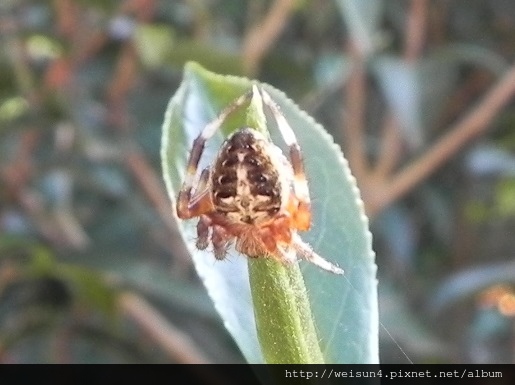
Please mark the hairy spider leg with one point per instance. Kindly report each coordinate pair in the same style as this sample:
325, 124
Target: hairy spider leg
201, 203
221, 240
203, 226
302, 208
306, 252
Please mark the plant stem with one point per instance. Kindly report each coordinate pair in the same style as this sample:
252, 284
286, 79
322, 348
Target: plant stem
284, 321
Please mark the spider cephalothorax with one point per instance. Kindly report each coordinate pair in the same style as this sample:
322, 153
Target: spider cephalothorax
251, 195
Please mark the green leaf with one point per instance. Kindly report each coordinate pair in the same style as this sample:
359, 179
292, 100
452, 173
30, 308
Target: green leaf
338, 314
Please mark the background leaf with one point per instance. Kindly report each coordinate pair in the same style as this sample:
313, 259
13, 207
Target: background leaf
400, 83
362, 18
344, 308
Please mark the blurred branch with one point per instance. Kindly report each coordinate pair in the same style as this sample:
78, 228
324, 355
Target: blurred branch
177, 345
415, 30
471, 126
151, 185
118, 90
15, 177
66, 12
475, 84
391, 141
437, 29
18, 172
71, 227
354, 117
380, 188
122, 82
390, 151
143, 10
262, 36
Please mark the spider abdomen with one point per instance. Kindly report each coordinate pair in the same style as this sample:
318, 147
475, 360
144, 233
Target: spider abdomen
246, 184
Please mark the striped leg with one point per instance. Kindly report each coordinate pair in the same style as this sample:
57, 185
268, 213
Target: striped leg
302, 216
189, 206
305, 252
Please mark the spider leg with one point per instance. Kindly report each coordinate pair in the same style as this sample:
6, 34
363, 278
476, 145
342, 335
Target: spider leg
185, 207
192, 205
287, 255
305, 252
220, 239
302, 214
203, 226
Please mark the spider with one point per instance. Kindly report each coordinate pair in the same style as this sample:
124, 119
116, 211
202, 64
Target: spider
251, 195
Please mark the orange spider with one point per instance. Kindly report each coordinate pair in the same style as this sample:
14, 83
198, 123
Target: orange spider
250, 195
